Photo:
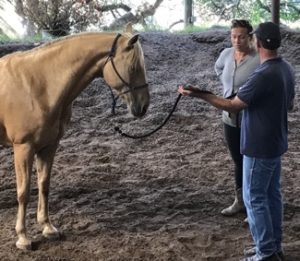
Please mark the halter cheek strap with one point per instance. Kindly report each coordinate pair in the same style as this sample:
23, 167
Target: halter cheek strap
112, 52
110, 57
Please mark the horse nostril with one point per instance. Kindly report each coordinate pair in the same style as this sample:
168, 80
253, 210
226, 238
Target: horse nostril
139, 111
144, 110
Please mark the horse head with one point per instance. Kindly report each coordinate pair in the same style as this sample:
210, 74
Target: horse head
125, 72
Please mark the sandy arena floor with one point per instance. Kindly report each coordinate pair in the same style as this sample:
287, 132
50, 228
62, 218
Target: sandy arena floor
157, 198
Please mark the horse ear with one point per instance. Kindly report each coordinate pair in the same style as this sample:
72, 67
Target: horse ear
133, 40
128, 28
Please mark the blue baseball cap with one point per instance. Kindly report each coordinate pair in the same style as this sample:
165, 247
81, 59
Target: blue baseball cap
269, 34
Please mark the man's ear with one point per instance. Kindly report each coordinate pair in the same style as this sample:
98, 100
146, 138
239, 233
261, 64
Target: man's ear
258, 42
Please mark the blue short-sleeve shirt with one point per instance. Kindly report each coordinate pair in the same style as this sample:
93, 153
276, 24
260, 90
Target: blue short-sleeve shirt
268, 93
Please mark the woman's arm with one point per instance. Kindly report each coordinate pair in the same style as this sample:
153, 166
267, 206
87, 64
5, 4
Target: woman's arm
219, 65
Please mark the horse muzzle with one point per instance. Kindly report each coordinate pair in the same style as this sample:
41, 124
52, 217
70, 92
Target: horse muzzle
139, 110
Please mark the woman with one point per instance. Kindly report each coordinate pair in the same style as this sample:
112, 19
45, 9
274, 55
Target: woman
233, 67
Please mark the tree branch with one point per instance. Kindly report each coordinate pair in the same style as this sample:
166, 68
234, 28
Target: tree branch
149, 10
290, 5
265, 7
106, 8
175, 23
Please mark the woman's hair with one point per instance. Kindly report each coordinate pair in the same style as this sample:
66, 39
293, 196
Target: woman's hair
242, 23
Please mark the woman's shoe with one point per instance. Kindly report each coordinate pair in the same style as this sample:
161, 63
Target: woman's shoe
237, 206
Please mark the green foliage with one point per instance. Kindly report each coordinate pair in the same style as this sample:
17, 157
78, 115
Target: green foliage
60, 17
194, 29
254, 10
4, 39
57, 17
151, 26
290, 11
34, 39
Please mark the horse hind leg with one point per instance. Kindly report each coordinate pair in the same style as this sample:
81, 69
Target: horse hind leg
23, 158
44, 161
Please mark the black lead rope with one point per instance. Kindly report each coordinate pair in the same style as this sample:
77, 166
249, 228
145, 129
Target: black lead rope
117, 129
114, 102
110, 57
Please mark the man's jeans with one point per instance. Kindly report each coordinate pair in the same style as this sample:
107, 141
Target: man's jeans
263, 201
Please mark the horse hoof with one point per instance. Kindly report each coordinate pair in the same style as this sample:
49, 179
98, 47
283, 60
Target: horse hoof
51, 233
24, 244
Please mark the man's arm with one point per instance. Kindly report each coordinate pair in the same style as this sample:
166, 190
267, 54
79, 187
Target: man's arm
231, 105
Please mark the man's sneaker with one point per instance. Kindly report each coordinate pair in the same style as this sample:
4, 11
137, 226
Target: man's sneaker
250, 258
281, 255
250, 251
275, 257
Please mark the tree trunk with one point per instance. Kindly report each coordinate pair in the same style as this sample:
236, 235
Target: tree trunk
276, 11
188, 13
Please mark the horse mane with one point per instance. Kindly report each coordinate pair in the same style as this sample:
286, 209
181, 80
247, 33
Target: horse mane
78, 35
137, 55
60, 39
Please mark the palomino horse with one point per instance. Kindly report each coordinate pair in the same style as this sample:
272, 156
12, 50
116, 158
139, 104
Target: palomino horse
37, 88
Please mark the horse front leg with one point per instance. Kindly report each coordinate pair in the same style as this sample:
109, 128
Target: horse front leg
44, 161
23, 158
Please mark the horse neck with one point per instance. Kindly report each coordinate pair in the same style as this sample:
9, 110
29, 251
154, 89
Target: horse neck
74, 63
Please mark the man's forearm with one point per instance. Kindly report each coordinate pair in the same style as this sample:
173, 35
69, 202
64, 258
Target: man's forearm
219, 102
231, 105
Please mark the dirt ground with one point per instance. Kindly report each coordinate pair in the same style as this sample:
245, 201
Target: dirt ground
157, 198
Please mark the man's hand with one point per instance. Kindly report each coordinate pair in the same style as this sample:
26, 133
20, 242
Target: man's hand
186, 90
189, 90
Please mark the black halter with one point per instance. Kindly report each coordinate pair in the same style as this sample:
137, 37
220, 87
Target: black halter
131, 88
110, 57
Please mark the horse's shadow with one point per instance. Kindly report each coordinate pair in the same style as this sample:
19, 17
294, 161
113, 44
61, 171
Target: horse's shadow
40, 241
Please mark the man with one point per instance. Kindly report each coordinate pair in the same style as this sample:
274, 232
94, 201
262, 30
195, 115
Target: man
265, 99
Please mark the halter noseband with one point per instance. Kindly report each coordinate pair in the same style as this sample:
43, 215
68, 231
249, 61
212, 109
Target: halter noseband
110, 57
